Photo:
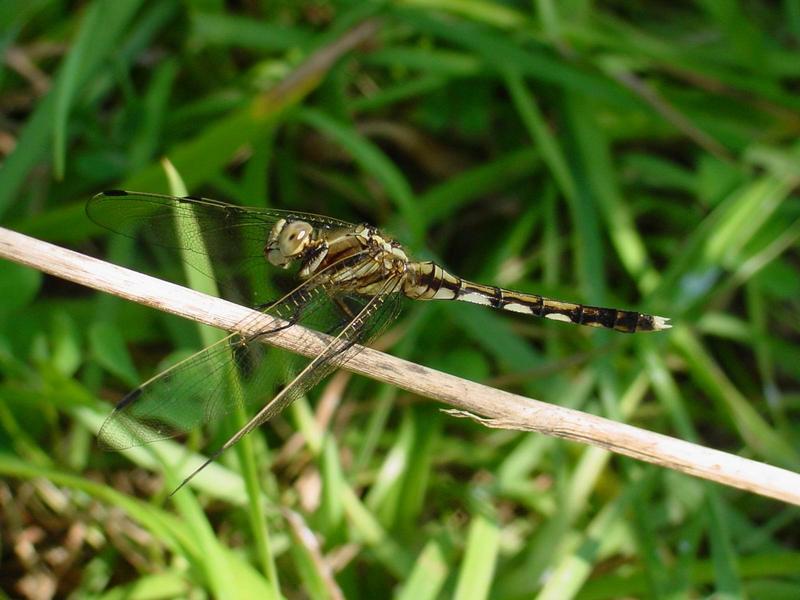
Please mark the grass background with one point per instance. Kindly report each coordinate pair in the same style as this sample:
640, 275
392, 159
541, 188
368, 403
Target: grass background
636, 155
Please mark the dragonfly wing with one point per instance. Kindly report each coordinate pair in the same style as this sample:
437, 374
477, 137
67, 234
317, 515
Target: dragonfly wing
238, 370
127, 213
210, 383
373, 316
230, 237
177, 400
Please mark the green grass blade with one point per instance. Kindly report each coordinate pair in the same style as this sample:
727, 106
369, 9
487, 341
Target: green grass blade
428, 576
480, 557
372, 161
197, 261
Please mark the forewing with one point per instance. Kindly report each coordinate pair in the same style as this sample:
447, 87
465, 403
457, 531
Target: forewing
232, 238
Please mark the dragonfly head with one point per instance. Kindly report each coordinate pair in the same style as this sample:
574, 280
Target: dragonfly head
287, 241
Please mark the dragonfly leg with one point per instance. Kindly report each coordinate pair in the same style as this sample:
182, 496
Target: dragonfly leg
347, 315
346, 311
264, 305
291, 321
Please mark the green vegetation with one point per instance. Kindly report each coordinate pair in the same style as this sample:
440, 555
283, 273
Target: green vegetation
640, 155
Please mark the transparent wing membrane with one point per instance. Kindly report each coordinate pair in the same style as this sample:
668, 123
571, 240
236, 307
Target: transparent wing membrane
231, 237
370, 320
180, 399
210, 383
128, 213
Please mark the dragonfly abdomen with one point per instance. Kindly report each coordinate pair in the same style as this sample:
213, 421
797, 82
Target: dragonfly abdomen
429, 281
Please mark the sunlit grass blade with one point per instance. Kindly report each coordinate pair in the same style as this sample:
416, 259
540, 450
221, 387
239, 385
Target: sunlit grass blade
197, 260
372, 161
430, 572
480, 555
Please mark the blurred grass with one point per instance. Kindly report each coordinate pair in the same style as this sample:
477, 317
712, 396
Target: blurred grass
629, 154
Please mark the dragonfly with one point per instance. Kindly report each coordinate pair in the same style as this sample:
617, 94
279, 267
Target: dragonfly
347, 280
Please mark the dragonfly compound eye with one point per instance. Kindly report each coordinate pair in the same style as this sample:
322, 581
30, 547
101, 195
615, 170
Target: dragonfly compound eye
294, 238
287, 241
